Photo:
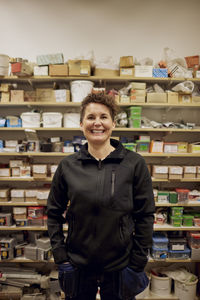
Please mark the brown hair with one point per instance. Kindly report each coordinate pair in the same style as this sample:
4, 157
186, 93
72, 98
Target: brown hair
100, 98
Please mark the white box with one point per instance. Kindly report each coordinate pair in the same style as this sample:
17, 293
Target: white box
41, 71
143, 71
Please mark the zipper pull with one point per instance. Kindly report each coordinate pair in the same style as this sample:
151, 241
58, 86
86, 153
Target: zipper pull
112, 183
99, 164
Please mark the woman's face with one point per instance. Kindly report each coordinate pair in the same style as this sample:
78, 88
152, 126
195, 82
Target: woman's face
97, 124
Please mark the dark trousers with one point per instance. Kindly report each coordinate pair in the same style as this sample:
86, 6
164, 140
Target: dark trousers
83, 285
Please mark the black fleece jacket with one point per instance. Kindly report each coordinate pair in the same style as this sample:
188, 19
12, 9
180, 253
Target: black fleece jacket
111, 211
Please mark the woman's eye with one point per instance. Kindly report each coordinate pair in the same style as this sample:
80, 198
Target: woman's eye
90, 118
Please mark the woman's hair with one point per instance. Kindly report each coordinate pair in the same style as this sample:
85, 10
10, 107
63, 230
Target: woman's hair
100, 98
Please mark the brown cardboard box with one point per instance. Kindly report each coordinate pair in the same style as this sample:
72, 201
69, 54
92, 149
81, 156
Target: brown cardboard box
58, 70
189, 171
4, 172
126, 72
29, 96
184, 98
15, 172
39, 170
45, 95
5, 87
106, 72
182, 147
194, 148
4, 195
79, 67
175, 172
160, 172
5, 97
172, 97
126, 61
157, 97
196, 99
17, 96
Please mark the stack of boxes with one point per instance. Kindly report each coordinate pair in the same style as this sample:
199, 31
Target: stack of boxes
138, 92
135, 116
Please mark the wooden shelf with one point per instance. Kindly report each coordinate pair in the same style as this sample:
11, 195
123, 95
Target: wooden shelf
188, 204
27, 228
168, 227
121, 129
10, 203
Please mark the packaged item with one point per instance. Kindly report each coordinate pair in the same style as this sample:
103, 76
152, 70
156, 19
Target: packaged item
156, 146
79, 67
187, 220
52, 119
175, 172
17, 96
177, 244
39, 170
126, 72
177, 211
173, 197
143, 71
159, 254
179, 254
48, 59
58, 70
176, 221
183, 195
189, 172
126, 61
163, 197
160, 241
41, 71
160, 172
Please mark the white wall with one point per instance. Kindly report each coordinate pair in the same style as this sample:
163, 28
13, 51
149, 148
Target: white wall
110, 28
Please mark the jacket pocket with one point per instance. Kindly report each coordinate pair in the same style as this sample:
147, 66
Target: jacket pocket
68, 277
132, 283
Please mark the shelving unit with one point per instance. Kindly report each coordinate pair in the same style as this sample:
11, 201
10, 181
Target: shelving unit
164, 110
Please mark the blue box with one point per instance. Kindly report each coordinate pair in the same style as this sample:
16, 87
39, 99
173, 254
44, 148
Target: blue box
160, 73
160, 241
16, 122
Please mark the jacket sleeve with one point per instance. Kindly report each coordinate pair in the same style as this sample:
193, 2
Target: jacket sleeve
56, 206
143, 215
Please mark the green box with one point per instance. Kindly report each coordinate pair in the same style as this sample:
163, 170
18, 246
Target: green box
163, 196
135, 111
142, 146
176, 221
173, 197
177, 211
188, 220
130, 146
135, 123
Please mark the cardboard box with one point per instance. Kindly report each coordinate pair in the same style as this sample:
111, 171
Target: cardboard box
172, 97
184, 98
126, 72
140, 99
124, 99
198, 172
15, 172
143, 71
29, 96
15, 163
47, 59
45, 95
58, 70
21, 69
126, 61
170, 147
39, 170
156, 146
197, 73
62, 95
196, 99
106, 72
41, 71
194, 148
157, 97
189, 171
4, 172
182, 147
175, 172
17, 96
31, 195
5, 87
160, 72
160, 172
136, 92
79, 67
4, 194
192, 61
138, 85
5, 97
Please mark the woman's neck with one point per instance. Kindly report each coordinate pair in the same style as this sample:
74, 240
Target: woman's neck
100, 152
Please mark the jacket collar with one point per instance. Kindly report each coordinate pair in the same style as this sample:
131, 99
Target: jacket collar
118, 153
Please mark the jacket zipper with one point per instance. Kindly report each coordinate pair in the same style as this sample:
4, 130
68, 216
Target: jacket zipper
112, 183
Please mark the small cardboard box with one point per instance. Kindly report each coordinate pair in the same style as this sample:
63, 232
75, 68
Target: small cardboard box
62, 95
4, 194
31, 195
21, 69
5, 97
140, 99
138, 85
29, 96
172, 97
15, 172
39, 170
79, 67
196, 99
106, 72
58, 70
15, 163
41, 71
160, 172
156, 146
189, 171
17, 96
143, 71
175, 172
194, 147
157, 97
136, 92
126, 72
170, 147
5, 87
182, 147
126, 61
185, 98
4, 172
19, 213
45, 95
124, 99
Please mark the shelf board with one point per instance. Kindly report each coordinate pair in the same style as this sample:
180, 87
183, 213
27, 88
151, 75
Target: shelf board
94, 78
168, 227
30, 154
77, 104
121, 129
27, 228
188, 204
11, 203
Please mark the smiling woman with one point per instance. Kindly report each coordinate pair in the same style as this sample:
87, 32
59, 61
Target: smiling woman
111, 212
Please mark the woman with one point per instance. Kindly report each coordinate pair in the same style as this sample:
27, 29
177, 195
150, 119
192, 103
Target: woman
110, 216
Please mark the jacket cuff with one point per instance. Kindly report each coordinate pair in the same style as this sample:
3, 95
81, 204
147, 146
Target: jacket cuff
60, 255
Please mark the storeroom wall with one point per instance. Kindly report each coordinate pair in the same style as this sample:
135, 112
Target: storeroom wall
108, 28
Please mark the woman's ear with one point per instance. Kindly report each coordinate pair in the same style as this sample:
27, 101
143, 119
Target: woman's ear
114, 124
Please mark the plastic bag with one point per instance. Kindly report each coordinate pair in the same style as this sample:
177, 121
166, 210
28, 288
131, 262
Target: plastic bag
185, 87
177, 66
